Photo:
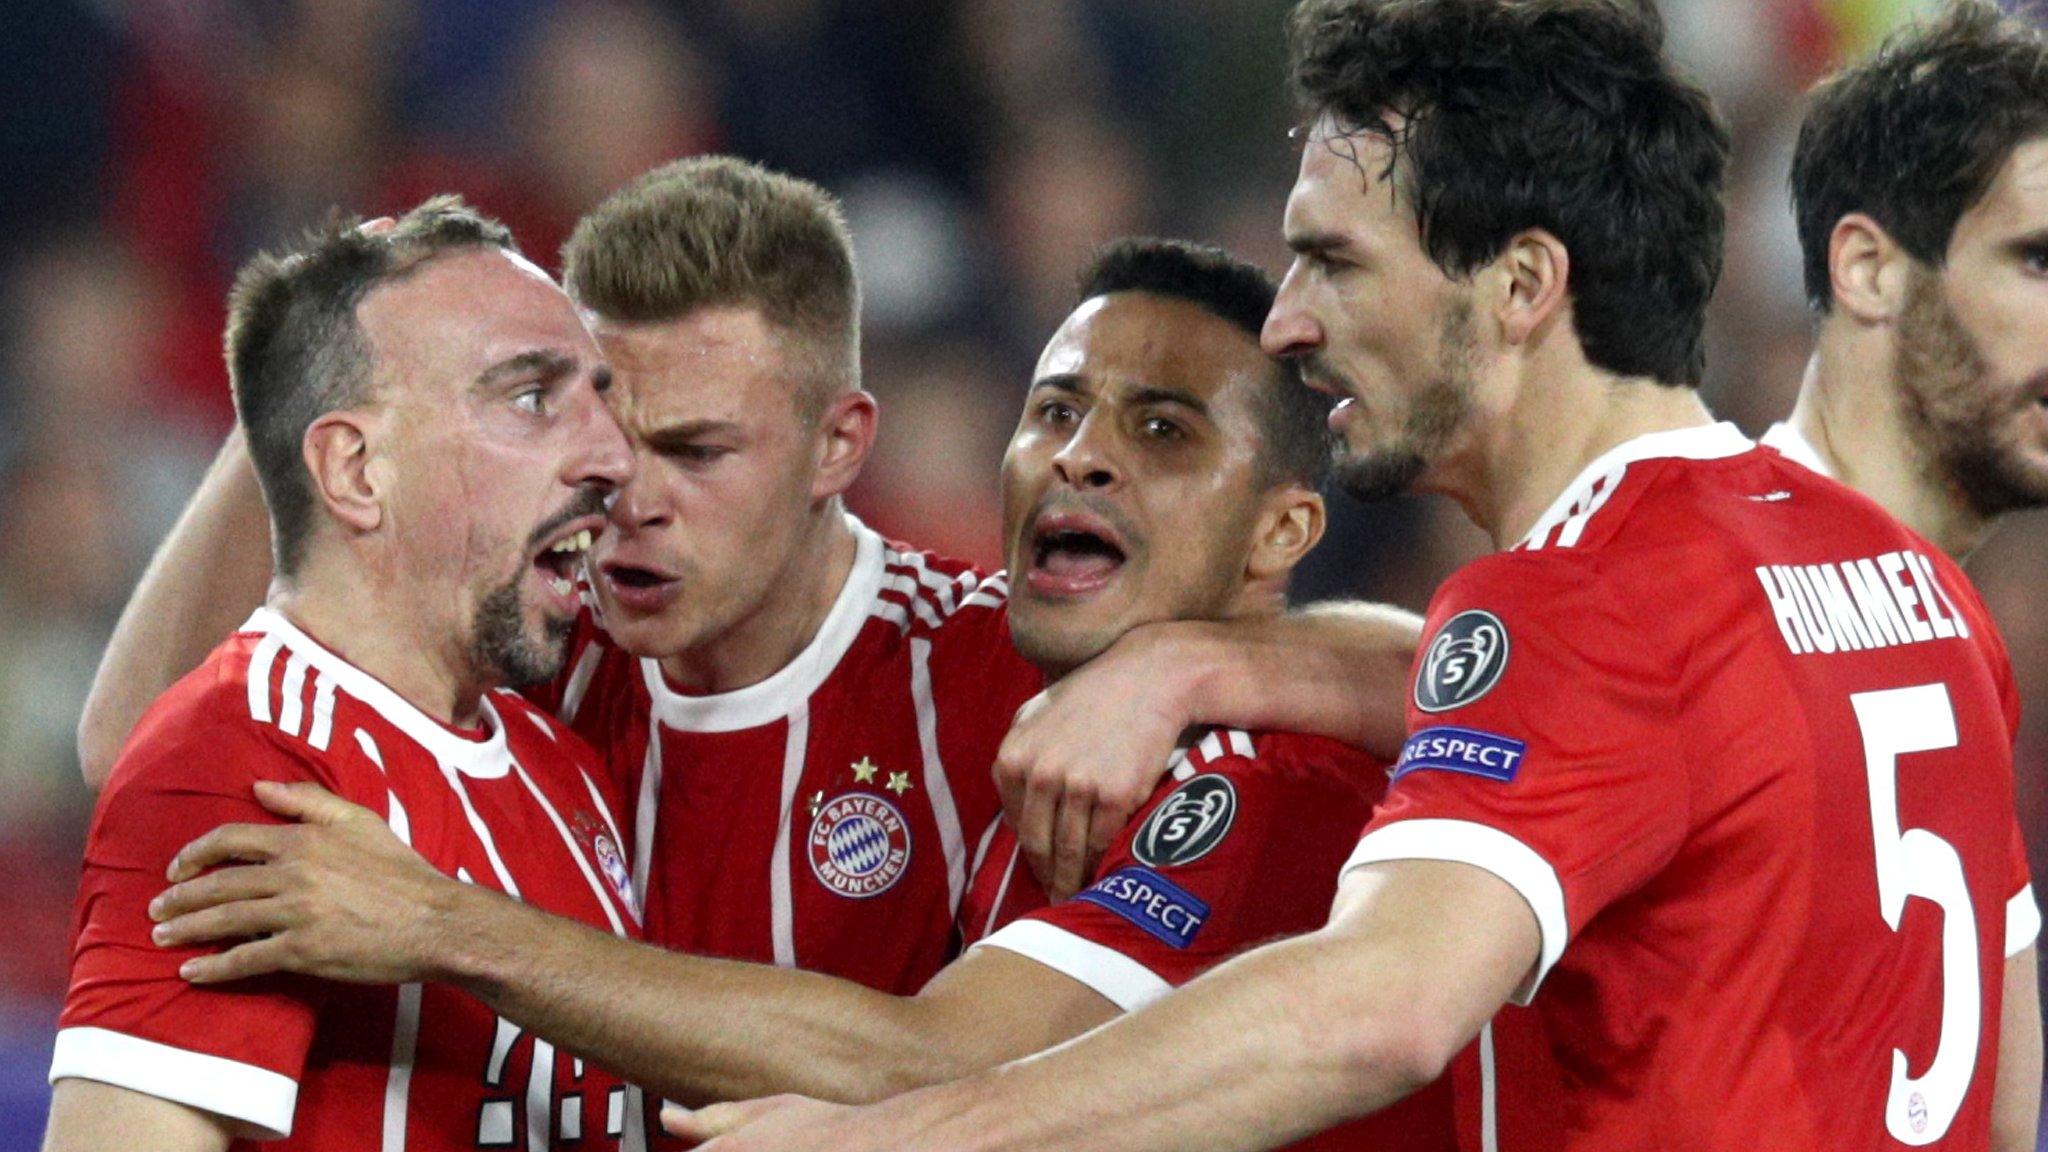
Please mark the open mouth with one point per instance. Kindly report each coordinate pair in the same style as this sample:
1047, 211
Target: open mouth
638, 589
1073, 554
559, 561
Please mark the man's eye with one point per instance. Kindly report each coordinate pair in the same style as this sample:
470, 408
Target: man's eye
1160, 428
1056, 413
697, 453
532, 401
2036, 259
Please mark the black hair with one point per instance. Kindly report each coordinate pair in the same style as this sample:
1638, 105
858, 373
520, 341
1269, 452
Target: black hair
296, 352
1296, 443
1563, 115
1914, 135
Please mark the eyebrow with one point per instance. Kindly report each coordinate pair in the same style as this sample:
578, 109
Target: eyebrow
545, 363
1315, 243
685, 432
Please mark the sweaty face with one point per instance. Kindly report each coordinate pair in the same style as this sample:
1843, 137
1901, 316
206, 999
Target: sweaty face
1370, 319
1972, 360
1131, 487
499, 456
715, 510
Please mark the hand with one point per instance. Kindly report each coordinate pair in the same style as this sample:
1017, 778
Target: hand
1087, 752
774, 1122
337, 895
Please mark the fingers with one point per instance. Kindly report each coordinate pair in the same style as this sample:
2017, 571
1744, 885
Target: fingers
307, 802
220, 886
1070, 843
256, 958
252, 843
715, 1120
1035, 826
239, 921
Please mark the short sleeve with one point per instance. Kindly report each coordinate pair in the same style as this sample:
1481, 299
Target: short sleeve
1236, 855
129, 1020
1539, 748
1001, 890
2022, 912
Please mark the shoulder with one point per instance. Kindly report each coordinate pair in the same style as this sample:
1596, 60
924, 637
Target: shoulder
926, 594
1280, 765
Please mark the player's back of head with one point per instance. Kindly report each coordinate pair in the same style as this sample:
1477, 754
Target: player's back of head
715, 231
1563, 115
1914, 136
296, 349
1294, 431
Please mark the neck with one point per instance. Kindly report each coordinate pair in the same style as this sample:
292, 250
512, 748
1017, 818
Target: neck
349, 610
1851, 411
1556, 423
784, 622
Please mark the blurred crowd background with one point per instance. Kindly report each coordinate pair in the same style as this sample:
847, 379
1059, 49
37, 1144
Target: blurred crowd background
982, 148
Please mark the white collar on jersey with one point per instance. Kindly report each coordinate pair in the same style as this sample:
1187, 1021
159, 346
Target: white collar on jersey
1793, 445
780, 694
1584, 495
484, 759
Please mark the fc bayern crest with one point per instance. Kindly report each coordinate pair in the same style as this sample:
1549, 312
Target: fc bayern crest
860, 845
1463, 663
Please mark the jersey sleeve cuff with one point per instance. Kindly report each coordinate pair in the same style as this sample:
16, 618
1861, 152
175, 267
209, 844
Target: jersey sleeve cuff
1121, 980
1489, 849
255, 1096
2022, 922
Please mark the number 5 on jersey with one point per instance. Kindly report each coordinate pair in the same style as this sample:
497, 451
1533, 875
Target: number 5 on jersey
1916, 862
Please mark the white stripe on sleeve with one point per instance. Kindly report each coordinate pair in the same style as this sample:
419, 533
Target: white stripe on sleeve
213, 1084
1464, 842
1121, 980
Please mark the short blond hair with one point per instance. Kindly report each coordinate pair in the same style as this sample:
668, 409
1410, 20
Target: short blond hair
714, 231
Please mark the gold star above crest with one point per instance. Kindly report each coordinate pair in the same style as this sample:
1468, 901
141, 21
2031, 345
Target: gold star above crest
899, 783
864, 771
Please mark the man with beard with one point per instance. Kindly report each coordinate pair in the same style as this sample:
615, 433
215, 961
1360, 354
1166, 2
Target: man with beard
383, 376
1712, 763
1920, 185
1154, 421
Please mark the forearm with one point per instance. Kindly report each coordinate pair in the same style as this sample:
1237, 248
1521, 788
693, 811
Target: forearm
1338, 670
2016, 1099
205, 579
695, 1030
88, 1116
1265, 1050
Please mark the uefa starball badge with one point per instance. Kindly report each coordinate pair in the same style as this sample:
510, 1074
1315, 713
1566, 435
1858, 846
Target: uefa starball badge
1463, 663
1192, 821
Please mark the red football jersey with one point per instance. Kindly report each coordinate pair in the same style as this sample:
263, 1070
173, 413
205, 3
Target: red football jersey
1743, 742
1240, 845
520, 807
828, 817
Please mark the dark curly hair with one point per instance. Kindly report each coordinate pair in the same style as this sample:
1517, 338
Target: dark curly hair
1563, 115
1295, 442
1914, 135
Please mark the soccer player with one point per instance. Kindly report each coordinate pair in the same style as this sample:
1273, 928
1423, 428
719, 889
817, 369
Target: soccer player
1754, 876
381, 375
767, 653
1156, 426
1920, 185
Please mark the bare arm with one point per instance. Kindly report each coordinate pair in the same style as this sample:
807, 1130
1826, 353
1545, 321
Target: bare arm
1277, 1044
88, 1116
1086, 752
342, 898
205, 579
2016, 1101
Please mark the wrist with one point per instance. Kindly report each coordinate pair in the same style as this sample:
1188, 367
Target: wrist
1185, 659
458, 943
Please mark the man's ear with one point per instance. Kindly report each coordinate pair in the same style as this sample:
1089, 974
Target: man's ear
338, 450
1868, 272
846, 433
1289, 525
1535, 284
